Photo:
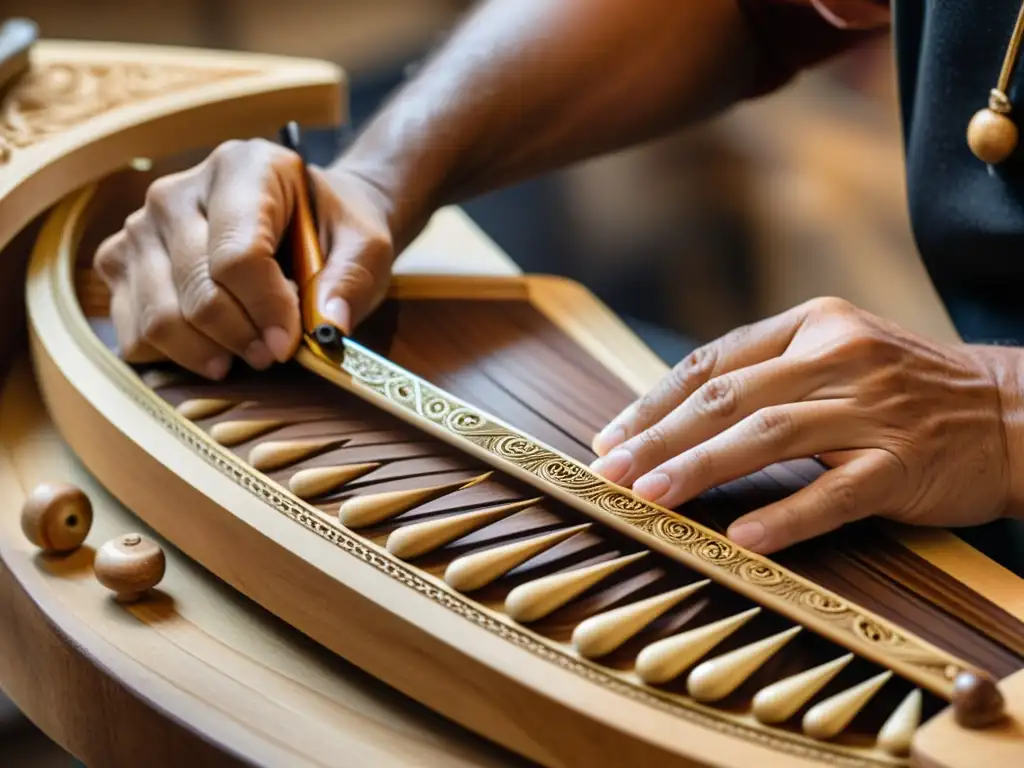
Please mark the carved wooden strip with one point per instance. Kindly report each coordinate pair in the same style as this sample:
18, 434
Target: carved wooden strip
394, 389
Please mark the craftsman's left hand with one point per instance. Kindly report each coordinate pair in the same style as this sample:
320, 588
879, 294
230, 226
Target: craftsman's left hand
910, 429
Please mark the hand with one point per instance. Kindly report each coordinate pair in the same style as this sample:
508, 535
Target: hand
913, 430
193, 275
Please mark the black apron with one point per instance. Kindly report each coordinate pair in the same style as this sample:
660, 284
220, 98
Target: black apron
967, 218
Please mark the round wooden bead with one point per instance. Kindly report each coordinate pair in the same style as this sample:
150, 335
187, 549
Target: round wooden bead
977, 700
129, 565
56, 517
991, 136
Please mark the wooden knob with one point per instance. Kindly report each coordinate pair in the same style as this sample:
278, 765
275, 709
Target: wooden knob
977, 700
991, 136
129, 565
56, 517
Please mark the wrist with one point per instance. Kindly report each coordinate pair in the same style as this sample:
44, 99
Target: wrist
1006, 366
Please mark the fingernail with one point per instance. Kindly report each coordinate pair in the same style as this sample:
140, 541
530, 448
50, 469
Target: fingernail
614, 466
747, 535
652, 487
258, 356
609, 437
218, 367
278, 341
339, 313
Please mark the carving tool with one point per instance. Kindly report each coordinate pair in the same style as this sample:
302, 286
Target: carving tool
321, 335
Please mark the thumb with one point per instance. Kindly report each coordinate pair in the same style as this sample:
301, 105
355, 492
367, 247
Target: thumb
355, 279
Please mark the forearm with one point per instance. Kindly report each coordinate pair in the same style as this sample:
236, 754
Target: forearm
526, 86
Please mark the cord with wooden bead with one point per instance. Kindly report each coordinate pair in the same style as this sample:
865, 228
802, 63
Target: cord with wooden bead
992, 135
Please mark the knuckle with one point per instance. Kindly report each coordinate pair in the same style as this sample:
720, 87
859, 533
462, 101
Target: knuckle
773, 425
158, 324
718, 398
700, 464
161, 192
358, 276
202, 305
843, 499
830, 305
653, 441
865, 345
136, 225
693, 370
227, 150
647, 408
236, 254
109, 262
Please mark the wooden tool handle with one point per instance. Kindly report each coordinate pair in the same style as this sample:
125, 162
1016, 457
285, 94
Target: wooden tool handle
308, 258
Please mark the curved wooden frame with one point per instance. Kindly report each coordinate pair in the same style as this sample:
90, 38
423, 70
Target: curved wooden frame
474, 676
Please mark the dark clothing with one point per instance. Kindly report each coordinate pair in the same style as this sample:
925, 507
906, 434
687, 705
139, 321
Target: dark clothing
967, 218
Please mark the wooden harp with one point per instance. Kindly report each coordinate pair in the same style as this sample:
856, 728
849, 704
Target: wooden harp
423, 509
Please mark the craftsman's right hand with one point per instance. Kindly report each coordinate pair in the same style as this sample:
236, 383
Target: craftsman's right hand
193, 275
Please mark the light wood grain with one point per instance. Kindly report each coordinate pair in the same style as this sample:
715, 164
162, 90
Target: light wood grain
194, 658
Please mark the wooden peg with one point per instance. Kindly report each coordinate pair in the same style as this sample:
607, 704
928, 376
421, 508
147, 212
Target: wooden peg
129, 565
229, 433
417, 539
316, 481
203, 407
779, 701
666, 659
718, 677
827, 718
275, 454
601, 634
536, 599
897, 732
371, 508
56, 517
471, 572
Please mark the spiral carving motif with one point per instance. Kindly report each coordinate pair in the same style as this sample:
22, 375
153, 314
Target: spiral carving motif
762, 574
54, 98
705, 550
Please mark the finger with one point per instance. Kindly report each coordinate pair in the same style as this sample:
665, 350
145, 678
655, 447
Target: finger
857, 489
717, 405
773, 434
354, 281
740, 348
358, 271
250, 199
174, 204
109, 261
130, 346
154, 303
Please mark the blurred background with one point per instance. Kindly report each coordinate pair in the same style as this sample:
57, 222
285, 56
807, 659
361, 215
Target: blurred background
798, 195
